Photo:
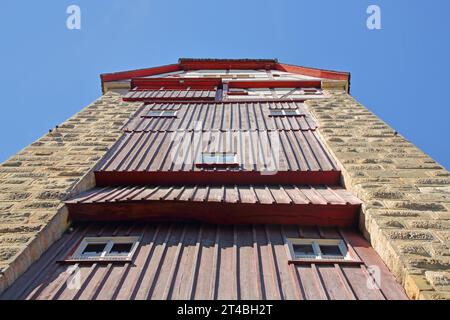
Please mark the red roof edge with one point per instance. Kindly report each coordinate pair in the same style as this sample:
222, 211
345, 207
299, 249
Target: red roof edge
314, 72
218, 64
116, 76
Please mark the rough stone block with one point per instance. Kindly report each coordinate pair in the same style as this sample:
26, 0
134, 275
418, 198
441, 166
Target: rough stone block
35, 182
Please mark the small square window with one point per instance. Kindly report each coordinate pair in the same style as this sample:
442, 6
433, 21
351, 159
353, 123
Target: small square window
221, 158
311, 92
161, 114
291, 112
154, 114
331, 251
301, 250
284, 113
276, 113
317, 249
94, 249
217, 159
121, 249
105, 249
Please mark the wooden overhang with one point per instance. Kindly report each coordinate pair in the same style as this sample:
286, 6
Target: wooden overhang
223, 204
175, 83
135, 76
201, 90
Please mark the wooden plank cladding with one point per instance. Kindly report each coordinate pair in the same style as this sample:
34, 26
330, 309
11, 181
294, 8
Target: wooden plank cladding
265, 151
165, 141
223, 204
250, 194
236, 116
172, 95
200, 261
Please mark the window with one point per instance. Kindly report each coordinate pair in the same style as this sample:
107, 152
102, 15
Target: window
162, 114
94, 250
284, 113
318, 249
311, 92
213, 158
106, 249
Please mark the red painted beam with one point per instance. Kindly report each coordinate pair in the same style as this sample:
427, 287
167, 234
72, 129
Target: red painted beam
217, 213
125, 75
176, 83
313, 72
114, 178
177, 100
226, 64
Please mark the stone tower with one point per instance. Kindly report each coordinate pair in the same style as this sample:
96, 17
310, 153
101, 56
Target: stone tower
402, 211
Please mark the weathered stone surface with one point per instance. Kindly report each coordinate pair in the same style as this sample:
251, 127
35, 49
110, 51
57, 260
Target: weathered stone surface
405, 193
410, 235
439, 280
34, 182
413, 249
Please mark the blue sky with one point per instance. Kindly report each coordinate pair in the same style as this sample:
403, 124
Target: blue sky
401, 72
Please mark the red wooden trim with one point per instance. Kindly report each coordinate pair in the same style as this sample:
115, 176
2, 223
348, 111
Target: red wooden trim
114, 178
313, 72
275, 84
177, 100
176, 83
217, 213
211, 100
226, 64
125, 75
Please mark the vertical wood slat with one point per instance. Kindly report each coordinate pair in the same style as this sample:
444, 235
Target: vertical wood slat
197, 255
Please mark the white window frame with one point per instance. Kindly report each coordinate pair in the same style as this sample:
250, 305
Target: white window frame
220, 158
283, 113
161, 114
106, 255
316, 243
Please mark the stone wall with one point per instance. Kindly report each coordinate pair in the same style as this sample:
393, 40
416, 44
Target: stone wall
34, 182
406, 194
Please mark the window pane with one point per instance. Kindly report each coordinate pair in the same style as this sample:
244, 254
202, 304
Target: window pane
168, 114
121, 248
154, 113
209, 158
293, 112
276, 113
94, 249
331, 250
303, 250
219, 158
229, 158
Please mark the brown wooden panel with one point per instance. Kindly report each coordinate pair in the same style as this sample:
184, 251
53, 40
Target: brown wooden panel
201, 261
